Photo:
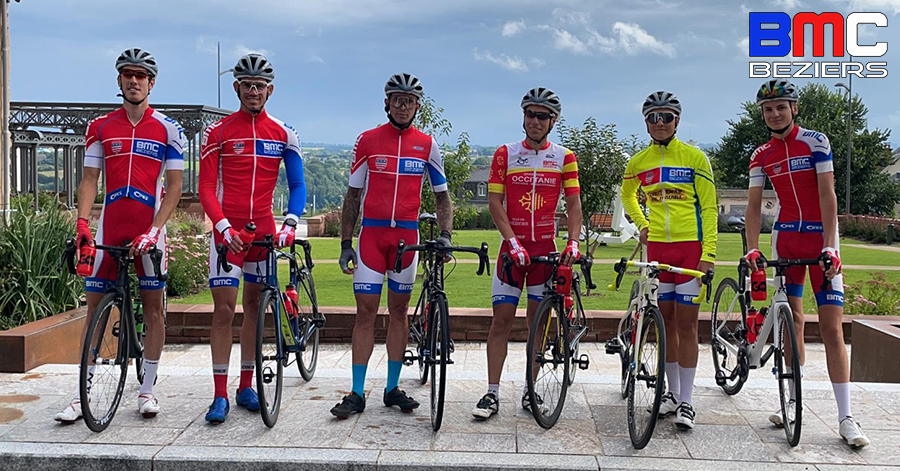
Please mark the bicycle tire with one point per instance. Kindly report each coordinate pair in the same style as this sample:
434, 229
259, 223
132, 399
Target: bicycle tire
720, 332
552, 338
439, 350
580, 320
625, 340
421, 313
792, 419
102, 327
266, 357
307, 359
653, 328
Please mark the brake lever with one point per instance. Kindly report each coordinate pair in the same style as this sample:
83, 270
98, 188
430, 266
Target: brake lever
483, 262
222, 263
826, 261
586, 265
68, 258
156, 258
507, 270
398, 263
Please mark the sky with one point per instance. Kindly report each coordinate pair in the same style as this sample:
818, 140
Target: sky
475, 58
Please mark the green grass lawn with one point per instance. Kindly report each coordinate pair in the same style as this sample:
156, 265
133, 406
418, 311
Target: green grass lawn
464, 289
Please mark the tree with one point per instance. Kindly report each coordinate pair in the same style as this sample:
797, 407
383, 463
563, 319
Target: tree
825, 111
457, 165
601, 163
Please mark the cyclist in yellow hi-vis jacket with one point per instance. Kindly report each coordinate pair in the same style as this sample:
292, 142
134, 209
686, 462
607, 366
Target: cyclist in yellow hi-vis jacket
677, 182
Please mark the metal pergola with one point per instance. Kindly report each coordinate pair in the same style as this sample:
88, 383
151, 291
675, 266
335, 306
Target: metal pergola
61, 127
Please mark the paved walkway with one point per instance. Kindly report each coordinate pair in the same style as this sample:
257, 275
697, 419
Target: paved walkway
732, 433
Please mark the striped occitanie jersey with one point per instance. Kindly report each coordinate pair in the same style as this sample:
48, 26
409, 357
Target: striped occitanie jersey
532, 181
681, 195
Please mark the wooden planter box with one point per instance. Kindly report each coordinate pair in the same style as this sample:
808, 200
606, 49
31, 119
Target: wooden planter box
876, 351
55, 339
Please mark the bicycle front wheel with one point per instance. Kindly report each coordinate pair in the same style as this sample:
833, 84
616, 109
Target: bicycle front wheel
309, 320
439, 346
269, 366
646, 381
788, 382
104, 363
547, 362
625, 338
729, 324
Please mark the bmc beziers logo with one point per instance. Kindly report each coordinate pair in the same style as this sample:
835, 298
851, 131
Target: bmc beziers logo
770, 37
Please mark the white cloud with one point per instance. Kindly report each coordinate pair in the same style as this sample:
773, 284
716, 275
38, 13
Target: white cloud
571, 18
316, 59
512, 28
625, 38
509, 63
789, 4
892, 6
205, 46
744, 9
744, 45
537, 63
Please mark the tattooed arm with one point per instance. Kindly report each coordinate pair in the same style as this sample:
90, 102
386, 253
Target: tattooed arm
350, 212
444, 209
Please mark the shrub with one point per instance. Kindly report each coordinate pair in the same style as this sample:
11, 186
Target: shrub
32, 284
464, 217
188, 264
332, 223
485, 221
874, 297
183, 224
868, 228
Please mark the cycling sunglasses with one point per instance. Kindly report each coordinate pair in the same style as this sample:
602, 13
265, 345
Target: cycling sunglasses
539, 115
130, 74
665, 116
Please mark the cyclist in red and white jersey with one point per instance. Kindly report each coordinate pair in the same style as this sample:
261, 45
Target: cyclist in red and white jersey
240, 158
133, 147
526, 181
798, 162
386, 176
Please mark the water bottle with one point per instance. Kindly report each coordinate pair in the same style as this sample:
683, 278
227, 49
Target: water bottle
290, 300
752, 328
246, 234
86, 255
564, 280
758, 288
570, 303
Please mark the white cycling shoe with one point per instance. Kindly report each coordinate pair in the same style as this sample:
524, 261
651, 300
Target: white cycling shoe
148, 405
851, 432
70, 414
775, 417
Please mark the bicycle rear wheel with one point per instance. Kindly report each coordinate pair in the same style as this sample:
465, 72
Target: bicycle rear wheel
419, 334
729, 324
269, 366
104, 363
440, 351
547, 362
788, 383
646, 381
307, 317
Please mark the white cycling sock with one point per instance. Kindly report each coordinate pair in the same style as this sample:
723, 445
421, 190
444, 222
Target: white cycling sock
494, 389
150, 367
842, 396
674, 379
687, 384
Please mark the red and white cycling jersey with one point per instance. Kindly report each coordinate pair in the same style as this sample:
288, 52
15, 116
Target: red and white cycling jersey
532, 181
240, 157
133, 159
389, 165
793, 165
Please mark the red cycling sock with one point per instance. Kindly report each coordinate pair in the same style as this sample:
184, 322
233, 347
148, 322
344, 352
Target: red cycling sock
220, 380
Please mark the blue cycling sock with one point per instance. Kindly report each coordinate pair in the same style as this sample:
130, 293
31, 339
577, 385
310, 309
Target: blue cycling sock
393, 378
359, 379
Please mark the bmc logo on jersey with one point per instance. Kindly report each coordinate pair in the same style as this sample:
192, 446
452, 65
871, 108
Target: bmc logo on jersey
239, 147
381, 163
412, 166
148, 148
270, 148
116, 147
551, 164
678, 175
800, 163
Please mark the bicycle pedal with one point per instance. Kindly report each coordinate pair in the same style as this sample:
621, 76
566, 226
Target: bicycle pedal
720, 378
268, 375
452, 346
584, 362
409, 358
613, 347
449, 361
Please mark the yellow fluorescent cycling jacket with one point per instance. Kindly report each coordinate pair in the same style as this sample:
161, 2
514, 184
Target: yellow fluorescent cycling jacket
681, 194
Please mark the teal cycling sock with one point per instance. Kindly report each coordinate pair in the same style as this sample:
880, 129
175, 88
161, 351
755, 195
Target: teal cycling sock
359, 379
393, 377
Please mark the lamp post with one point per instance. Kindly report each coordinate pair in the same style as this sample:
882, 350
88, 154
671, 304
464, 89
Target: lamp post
221, 73
849, 140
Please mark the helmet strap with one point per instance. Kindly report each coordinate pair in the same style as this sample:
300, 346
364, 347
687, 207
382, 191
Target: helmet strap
135, 103
784, 129
396, 124
543, 139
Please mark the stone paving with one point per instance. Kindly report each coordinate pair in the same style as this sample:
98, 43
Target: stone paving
731, 432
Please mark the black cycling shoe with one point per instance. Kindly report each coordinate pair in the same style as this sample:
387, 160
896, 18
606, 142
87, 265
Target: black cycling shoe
350, 404
396, 397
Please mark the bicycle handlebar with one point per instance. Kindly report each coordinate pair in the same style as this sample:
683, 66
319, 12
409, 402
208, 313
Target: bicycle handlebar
705, 278
553, 258
118, 252
784, 263
433, 247
267, 242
